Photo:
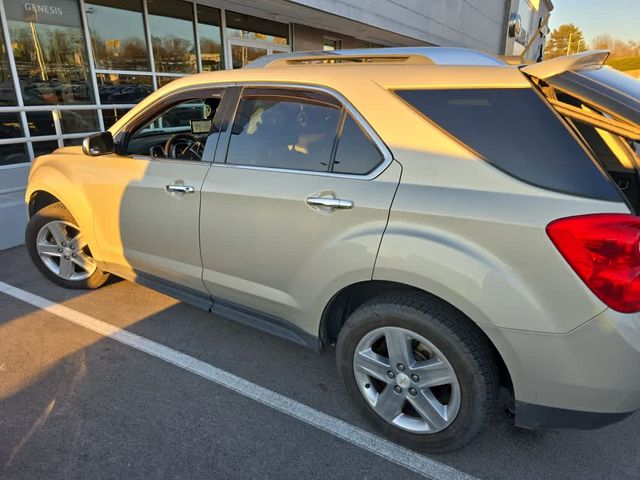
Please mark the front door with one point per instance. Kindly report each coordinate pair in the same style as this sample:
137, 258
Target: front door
298, 206
147, 199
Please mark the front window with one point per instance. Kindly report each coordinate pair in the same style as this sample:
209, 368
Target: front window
178, 132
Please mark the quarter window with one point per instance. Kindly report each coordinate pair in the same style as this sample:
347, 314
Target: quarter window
281, 130
356, 153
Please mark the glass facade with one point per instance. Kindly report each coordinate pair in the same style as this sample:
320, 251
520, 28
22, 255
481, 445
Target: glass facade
69, 68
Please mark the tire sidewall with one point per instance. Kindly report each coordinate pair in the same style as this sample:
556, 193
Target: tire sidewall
39, 220
471, 416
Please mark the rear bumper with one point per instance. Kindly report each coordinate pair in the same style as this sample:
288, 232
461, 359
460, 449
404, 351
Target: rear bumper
583, 379
539, 417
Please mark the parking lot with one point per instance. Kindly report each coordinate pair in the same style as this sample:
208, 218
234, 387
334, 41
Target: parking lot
128, 383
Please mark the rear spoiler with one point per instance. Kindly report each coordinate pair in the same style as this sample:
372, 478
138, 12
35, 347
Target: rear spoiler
555, 66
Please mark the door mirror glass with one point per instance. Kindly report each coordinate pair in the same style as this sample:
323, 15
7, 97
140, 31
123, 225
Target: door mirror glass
98, 144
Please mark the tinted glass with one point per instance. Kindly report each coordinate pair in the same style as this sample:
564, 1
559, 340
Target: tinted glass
112, 115
240, 55
256, 28
115, 88
281, 132
162, 81
10, 126
49, 49
356, 153
117, 34
42, 148
172, 35
72, 142
14, 153
210, 42
515, 131
41, 123
78, 121
7, 92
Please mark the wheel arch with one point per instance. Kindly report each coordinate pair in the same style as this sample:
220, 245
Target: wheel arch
349, 298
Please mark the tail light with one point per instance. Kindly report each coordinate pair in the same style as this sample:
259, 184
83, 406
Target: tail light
604, 250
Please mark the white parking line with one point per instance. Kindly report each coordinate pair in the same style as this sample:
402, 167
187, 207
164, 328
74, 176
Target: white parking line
343, 430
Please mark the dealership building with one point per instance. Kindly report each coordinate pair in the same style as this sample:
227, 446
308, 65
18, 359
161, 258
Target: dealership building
69, 68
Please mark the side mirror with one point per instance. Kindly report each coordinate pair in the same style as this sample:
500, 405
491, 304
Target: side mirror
98, 144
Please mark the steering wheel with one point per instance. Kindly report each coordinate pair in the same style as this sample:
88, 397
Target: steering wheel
183, 146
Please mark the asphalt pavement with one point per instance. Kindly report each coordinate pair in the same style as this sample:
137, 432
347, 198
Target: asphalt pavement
75, 403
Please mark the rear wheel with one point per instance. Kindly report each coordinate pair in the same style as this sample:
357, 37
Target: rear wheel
419, 370
60, 250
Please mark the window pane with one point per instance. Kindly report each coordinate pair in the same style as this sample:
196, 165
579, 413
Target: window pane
210, 42
42, 148
331, 44
240, 55
282, 132
116, 88
10, 126
162, 81
49, 49
7, 92
172, 35
356, 153
41, 123
72, 142
14, 153
256, 28
493, 123
77, 121
112, 115
117, 34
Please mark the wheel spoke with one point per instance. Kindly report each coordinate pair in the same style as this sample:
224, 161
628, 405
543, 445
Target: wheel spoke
399, 347
79, 242
48, 249
430, 409
433, 372
389, 404
372, 364
84, 261
58, 232
66, 268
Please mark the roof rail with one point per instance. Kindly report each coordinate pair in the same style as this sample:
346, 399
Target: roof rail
333, 59
555, 66
433, 55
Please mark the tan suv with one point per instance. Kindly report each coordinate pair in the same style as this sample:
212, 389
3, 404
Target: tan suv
451, 222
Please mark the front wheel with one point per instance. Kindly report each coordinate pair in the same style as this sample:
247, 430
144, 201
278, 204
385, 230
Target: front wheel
419, 370
60, 250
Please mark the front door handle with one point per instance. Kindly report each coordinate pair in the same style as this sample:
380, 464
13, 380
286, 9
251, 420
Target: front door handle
179, 189
329, 202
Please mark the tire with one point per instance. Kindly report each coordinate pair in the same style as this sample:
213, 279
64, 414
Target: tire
457, 364
66, 251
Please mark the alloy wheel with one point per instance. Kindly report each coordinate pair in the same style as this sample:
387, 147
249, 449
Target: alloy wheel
407, 380
64, 250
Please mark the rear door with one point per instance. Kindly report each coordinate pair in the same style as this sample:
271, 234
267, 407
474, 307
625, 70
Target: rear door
295, 204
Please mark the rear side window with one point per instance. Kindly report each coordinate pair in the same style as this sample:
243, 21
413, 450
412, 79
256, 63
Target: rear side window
355, 153
514, 130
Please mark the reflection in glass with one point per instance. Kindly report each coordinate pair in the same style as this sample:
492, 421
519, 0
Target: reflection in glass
112, 115
163, 80
50, 52
210, 40
256, 28
7, 92
240, 55
41, 123
172, 35
14, 153
72, 142
117, 88
77, 121
42, 148
117, 34
10, 126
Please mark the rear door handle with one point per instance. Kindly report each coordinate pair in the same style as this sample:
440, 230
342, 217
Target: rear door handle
179, 189
328, 202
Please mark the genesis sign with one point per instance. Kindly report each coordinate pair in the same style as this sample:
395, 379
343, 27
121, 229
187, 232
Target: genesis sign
53, 12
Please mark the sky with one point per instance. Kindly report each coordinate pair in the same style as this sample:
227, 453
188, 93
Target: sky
618, 18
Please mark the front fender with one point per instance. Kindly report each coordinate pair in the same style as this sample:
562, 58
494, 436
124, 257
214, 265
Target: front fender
58, 175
